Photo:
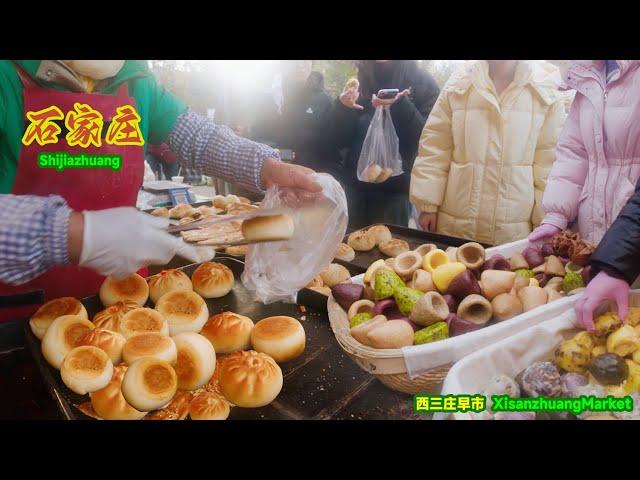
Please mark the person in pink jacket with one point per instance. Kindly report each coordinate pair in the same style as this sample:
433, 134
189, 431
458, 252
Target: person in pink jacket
598, 153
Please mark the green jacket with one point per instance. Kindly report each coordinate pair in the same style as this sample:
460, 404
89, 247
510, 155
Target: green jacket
158, 109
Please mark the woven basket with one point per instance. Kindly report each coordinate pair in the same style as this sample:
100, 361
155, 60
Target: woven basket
388, 364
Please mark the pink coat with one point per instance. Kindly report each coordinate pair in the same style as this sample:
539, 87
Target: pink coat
598, 152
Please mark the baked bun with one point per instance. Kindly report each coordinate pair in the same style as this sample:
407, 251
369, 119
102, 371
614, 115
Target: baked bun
86, 369
161, 212
237, 251
143, 320
268, 228
212, 280
335, 274
380, 234
133, 288
111, 342
244, 200
184, 220
53, 309
62, 336
345, 253
182, 210
110, 317
219, 201
154, 345
168, 281
231, 198
394, 247
384, 175
250, 379
196, 360
280, 337
184, 310
228, 332
206, 211
149, 384
240, 208
361, 241
371, 173
209, 406
109, 403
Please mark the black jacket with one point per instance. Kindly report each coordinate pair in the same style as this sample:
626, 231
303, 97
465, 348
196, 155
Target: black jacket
303, 125
409, 115
618, 253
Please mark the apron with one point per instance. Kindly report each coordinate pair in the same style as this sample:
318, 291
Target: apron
82, 188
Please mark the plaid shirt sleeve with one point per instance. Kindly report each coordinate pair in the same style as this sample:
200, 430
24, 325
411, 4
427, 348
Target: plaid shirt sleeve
33, 236
218, 152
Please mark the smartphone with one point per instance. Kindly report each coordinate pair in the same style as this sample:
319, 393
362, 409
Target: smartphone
387, 93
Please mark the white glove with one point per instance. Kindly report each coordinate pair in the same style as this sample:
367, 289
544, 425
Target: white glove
120, 241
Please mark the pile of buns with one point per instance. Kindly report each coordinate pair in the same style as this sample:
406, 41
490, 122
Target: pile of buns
135, 361
377, 236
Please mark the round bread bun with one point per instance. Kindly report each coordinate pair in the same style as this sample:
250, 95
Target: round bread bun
111, 342
109, 403
206, 211
244, 200
345, 253
153, 345
196, 360
361, 241
371, 173
280, 337
380, 234
228, 332
47, 313
86, 369
212, 280
384, 175
182, 210
268, 228
209, 406
110, 317
250, 379
219, 201
168, 281
237, 251
149, 384
231, 198
62, 336
184, 310
143, 320
393, 247
133, 288
161, 212
335, 274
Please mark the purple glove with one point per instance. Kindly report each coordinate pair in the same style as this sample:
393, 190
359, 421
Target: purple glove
603, 287
543, 231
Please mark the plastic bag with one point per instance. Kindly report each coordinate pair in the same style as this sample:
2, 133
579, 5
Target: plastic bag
276, 271
380, 155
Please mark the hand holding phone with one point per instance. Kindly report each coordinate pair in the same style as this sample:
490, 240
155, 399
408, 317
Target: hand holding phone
387, 93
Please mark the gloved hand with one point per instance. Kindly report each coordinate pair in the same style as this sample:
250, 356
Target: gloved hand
543, 231
603, 287
120, 241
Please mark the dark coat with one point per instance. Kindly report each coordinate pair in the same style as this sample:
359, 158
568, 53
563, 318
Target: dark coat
303, 125
409, 115
618, 253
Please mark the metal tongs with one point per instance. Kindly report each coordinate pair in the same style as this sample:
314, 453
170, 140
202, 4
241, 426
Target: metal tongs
209, 221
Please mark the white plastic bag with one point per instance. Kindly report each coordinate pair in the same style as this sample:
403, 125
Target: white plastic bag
380, 155
276, 271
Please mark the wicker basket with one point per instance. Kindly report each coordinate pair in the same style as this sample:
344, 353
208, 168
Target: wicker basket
389, 365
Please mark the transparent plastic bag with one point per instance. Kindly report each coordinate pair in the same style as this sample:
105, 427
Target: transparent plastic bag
380, 155
276, 271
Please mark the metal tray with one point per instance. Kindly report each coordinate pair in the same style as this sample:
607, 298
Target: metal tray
414, 237
322, 383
